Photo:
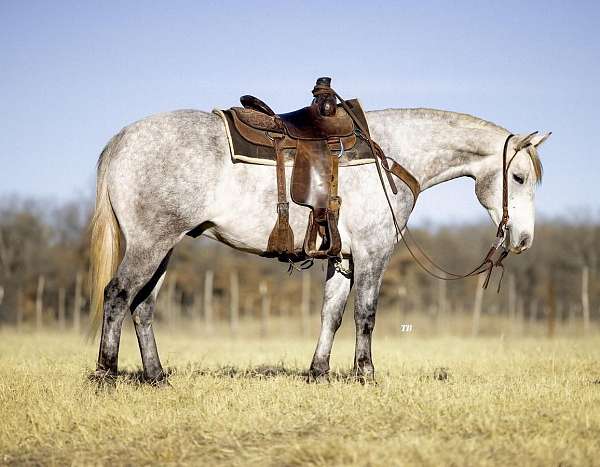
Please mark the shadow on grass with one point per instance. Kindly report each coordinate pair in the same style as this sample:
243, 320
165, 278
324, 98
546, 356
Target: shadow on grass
136, 377
253, 372
274, 371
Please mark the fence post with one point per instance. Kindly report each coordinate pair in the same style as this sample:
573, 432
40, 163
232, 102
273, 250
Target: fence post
520, 315
551, 308
442, 304
305, 306
234, 302
208, 301
585, 298
179, 308
285, 309
533, 310
401, 312
572, 314
20, 305
265, 309
196, 308
477, 305
39, 303
77, 302
512, 301
61, 308
170, 308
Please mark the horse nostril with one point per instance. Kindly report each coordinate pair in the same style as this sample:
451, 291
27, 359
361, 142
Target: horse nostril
524, 240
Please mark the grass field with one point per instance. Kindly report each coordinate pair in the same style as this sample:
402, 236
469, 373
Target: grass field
241, 402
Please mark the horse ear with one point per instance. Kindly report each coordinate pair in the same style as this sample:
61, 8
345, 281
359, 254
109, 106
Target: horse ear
524, 140
539, 139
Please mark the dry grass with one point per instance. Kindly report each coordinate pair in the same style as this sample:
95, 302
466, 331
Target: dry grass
519, 402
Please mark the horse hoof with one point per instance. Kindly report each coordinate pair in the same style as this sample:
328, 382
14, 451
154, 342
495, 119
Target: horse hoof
160, 382
317, 378
103, 379
365, 377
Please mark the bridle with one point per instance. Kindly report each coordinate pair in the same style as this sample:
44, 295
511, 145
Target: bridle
497, 252
495, 255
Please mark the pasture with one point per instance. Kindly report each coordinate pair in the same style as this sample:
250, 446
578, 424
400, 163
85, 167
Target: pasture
244, 401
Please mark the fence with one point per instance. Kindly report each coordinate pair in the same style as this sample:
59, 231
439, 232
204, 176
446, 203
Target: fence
268, 309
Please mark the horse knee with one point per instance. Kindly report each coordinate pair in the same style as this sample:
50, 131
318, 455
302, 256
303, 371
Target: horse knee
335, 322
365, 320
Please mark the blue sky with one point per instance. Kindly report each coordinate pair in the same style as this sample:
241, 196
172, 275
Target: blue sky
73, 73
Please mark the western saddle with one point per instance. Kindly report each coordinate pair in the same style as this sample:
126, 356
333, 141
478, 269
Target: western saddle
315, 138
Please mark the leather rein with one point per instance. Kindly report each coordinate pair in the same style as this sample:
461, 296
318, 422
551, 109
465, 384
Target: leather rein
497, 252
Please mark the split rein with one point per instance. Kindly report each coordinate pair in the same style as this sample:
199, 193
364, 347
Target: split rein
497, 252
495, 255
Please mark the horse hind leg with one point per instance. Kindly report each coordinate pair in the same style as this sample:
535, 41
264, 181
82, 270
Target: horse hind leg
138, 267
142, 310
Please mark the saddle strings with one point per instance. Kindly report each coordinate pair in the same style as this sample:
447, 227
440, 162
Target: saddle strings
488, 264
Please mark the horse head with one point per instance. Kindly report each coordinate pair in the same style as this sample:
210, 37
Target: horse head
506, 188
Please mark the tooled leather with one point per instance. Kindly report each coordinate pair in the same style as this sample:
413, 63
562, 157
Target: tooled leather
255, 119
261, 136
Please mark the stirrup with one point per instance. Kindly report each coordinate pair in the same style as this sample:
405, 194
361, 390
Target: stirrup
331, 245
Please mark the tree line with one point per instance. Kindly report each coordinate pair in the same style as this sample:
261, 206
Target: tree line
44, 265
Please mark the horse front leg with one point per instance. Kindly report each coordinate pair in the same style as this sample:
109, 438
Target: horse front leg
337, 288
368, 273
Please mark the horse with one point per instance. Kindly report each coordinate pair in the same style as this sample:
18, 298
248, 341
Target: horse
171, 175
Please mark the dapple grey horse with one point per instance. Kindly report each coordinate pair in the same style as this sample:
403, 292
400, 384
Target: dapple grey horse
171, 175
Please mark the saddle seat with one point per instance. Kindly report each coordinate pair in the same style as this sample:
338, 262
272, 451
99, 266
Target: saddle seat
305, 123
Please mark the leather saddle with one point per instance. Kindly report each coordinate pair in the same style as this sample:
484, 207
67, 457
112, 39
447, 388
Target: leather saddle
314, 138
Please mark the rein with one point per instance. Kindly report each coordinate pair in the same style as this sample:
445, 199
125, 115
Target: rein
497, 252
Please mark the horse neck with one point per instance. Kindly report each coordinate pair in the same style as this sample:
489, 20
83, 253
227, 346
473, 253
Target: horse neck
437, 146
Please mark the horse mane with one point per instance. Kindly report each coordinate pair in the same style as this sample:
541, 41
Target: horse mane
447, 116
538, 168
468, 121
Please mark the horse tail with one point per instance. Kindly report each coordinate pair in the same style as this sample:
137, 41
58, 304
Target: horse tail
105, 238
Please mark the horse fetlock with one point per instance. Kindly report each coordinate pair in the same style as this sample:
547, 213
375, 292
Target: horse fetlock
364, 373
319, 371
158, 379
363, 366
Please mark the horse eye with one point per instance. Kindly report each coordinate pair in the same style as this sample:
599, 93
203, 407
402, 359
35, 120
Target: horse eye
520, 180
